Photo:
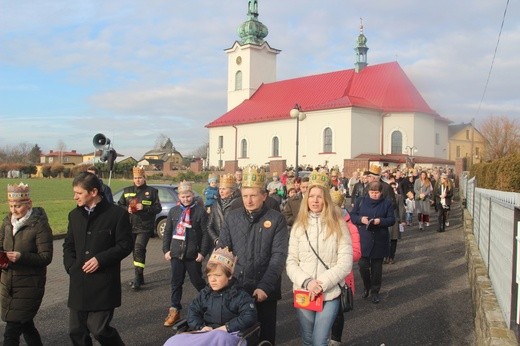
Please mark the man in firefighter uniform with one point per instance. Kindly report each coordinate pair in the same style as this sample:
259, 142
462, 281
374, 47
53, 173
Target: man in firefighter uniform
142, 202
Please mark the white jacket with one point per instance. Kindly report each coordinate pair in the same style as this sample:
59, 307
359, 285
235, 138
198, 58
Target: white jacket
303, 264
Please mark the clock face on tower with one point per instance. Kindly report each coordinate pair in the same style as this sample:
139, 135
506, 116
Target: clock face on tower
239, 60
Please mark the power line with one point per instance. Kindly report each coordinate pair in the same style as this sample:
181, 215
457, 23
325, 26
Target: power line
494, 56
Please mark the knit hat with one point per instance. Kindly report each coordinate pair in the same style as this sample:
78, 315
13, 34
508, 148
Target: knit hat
212, 178
224, 257
18, 193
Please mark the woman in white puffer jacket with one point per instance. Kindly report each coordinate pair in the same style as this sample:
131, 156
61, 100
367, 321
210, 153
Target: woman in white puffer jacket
319, 223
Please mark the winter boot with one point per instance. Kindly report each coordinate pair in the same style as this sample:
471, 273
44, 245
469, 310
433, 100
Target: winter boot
136, 284
173, 316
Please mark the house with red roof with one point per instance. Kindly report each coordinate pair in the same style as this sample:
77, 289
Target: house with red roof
366, 111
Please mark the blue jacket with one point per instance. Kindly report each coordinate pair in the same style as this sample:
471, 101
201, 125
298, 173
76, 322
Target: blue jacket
230, 306
210, 194
375, 240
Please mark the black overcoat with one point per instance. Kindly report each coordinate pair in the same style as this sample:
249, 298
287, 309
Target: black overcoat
104, 233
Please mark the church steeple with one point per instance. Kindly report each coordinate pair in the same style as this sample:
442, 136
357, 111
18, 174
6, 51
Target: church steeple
361, 49
252, 31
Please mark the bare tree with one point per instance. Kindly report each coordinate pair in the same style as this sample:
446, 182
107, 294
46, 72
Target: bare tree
160, 140
502, 134
61, 148
15, 154
201, 151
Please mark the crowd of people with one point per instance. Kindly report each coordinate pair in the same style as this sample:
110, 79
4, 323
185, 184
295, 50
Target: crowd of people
250, 229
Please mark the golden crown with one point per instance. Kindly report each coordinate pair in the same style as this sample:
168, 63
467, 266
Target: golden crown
253, 176
375, 170
227, 180
18, 193
289, 186
138, 171
337, 197
184, 186
223, 257
319, 178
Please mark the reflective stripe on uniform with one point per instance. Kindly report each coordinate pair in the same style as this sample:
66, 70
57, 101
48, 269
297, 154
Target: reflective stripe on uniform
146, 202
138, 264
130, 194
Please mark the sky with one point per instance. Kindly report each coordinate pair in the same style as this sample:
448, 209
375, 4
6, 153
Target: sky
139, 70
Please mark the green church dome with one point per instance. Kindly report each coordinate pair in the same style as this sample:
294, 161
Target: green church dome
252, 31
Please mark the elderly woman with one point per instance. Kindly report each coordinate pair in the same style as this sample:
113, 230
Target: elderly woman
223, 204
26, 242
319, 259
373, 215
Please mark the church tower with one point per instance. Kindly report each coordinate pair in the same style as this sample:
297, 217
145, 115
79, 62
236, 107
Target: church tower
251, 61
361, 50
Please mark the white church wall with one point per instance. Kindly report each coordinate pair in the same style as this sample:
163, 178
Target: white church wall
424, 135
366, 132
402, 122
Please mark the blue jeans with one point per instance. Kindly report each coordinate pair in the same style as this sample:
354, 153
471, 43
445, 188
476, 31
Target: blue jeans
315, 326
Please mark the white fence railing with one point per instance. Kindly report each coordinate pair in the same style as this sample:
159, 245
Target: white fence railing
495, 226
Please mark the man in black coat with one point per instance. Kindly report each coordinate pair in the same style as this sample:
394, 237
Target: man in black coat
98, 239
258, 236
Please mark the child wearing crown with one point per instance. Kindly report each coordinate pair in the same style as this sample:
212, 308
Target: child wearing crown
221, 309
185, 244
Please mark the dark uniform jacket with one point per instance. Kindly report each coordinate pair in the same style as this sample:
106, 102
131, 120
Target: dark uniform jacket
357, 191
230, 306
144, 220
197, 238
375, 240
23, 282
260, 240
105, 233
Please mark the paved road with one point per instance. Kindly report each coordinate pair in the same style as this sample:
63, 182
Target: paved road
425, 298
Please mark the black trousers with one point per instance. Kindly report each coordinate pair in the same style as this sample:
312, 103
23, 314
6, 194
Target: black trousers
13, 331
393, 248
83, 323
371, 270
267, 317
179, 269
140, 243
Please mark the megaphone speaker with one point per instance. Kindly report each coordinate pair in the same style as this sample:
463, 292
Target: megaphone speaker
100, 140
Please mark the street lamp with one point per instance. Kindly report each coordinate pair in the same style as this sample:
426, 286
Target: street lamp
220, 151
409, 161
297, 113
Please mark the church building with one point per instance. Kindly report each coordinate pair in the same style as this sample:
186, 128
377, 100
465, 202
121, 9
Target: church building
370, 112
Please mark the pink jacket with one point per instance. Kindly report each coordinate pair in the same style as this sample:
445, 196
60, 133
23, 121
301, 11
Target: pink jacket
356, 250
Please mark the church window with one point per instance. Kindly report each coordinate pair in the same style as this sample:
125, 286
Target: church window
276, 147
397, 143
238, 80
327, 140
243, 148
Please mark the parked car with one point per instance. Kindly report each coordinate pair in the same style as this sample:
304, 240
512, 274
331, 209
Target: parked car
169, 199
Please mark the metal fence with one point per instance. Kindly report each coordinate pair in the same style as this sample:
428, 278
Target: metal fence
496, 219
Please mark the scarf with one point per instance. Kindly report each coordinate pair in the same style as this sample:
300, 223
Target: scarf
19, 223
184, 222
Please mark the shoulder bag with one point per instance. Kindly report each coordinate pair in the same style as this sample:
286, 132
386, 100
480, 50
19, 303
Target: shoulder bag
346, 297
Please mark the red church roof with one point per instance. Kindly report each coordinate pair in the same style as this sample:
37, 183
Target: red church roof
383, 87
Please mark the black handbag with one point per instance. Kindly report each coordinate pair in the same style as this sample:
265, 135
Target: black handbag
346, 297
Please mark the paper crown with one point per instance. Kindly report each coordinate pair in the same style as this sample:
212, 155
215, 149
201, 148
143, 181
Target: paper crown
319, 178
334, 172
212, 177
18, 193
337, 197
275, 174
227, 180
253, 176
223, 257
184, 186
138, 171
374, 170
289, 187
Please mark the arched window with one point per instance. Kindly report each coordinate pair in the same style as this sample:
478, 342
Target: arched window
327, 140
243, 148
275, 147
397, 143
238, 80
